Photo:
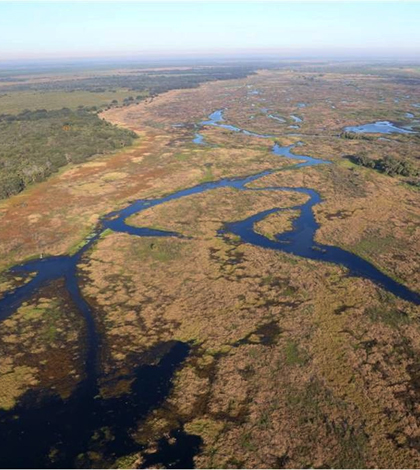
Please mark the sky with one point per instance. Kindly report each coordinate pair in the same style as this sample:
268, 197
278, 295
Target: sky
32, 30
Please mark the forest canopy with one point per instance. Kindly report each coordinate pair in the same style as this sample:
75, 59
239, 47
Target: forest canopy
35, 144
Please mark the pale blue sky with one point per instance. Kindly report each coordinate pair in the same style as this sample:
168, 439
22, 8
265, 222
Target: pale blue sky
66, 29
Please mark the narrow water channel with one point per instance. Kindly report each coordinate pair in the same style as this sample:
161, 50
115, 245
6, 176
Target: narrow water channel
29, 433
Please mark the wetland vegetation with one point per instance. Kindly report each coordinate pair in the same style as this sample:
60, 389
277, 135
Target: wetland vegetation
35, 142
192, 306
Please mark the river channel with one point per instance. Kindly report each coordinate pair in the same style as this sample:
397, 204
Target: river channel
30, 432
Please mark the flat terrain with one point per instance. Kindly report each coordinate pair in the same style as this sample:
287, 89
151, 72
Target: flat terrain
292, 362
18, 101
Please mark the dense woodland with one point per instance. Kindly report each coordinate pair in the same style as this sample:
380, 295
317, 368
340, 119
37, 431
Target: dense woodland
391, 166
35, 144
154, 82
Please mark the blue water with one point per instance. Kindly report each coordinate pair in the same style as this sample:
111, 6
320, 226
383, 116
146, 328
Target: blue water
296, 118
198, 139
272, 116
216, 119
52, 268
69, 424
300, 242
307, 161
379, 127
279, 119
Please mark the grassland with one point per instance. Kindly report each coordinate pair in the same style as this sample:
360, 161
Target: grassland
14, 102
293, 363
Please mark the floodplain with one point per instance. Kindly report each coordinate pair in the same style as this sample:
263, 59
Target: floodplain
262, 358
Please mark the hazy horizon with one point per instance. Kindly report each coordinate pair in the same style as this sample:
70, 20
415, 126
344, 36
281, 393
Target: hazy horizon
142, 30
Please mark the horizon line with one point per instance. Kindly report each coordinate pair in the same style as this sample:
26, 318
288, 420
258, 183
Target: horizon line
254, 54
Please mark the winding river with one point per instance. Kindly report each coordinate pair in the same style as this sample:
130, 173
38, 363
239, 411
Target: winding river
67, 426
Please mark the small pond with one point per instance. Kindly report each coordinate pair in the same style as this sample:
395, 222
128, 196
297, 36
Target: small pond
379, 127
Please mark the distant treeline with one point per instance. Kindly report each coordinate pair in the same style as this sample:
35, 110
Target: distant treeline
154, 82
35, 144
356, 136
388, 165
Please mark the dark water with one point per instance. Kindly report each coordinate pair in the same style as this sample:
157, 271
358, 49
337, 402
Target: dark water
30, 431
52, 433
300, 242
379, 127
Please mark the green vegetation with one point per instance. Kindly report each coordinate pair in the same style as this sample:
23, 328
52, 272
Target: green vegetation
17, 101
208, 175
391, 316
35, 144
291, 363
294, 355
153, 81
162, 251
182, 157
127, 461
389, 165
355, 136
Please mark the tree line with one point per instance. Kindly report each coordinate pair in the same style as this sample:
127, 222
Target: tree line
154, 82
35, 144
389, 165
